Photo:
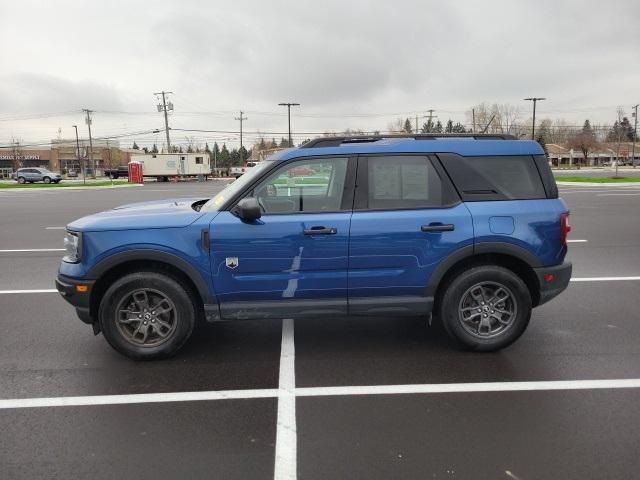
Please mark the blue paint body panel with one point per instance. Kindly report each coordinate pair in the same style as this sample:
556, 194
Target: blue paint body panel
390, 256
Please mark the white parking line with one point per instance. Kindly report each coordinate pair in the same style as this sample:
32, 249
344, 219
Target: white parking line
42, 290
19, 250
286, 434
427, 388
604, 279
577, 241
618, 194
137, 398
55, 228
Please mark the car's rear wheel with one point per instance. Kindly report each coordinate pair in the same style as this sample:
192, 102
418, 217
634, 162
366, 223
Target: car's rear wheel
147, 315
22, 180
46, 180
486, 308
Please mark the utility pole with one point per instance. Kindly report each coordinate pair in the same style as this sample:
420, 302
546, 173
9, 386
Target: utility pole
635, 134
289, 105
91, 159
80, 162
430, 118
241, 118
473, 119
164, 108
533, 128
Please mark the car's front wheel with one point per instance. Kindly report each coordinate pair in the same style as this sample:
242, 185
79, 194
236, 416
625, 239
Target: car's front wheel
486, 308
46, 180
22, 180
147, 315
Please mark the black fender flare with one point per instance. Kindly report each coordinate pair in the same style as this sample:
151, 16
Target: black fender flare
477, 249
96, 272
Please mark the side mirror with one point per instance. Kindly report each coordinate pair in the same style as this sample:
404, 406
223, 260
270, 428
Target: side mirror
248, 209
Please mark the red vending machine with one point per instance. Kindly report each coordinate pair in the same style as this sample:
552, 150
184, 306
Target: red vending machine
135, 172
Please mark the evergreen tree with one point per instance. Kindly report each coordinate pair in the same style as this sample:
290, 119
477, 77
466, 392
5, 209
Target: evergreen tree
262, 145
189, 149
243, 154
438, 127
407, 126
449, 127
154, 149
284, 143
224, 159
135, 146
459, 128
145, 149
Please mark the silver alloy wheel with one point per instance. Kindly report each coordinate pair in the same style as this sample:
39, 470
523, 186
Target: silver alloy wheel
146, 317
487, 310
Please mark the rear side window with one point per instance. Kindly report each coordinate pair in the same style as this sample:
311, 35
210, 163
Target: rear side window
494, 178
397, 182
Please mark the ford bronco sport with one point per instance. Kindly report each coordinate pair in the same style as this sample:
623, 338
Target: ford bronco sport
467, 227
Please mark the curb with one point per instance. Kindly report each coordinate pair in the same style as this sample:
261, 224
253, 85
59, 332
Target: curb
80, 187
602, 184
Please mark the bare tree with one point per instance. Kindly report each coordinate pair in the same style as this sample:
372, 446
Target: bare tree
585, 142
496, 118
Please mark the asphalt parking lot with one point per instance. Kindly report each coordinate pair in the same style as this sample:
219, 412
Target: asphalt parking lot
373, 398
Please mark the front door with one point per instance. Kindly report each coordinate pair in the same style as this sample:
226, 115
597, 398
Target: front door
293, 260
406, 219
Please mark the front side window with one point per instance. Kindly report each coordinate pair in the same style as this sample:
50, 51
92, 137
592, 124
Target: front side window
397, 182
314, 185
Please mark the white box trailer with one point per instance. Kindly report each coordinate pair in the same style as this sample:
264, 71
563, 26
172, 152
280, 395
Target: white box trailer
164, 166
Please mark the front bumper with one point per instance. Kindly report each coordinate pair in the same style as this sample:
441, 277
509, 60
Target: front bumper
68, 288
553, 280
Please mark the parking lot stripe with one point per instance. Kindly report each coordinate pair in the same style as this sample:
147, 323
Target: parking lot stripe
55, 228
577, 241
289, 433
286, 434
20, 250
42, 290
137, 398
604, 279
468, 387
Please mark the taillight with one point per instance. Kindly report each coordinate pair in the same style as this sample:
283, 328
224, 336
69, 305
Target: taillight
565, 228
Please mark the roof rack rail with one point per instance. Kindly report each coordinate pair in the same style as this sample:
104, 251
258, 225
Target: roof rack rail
321, 142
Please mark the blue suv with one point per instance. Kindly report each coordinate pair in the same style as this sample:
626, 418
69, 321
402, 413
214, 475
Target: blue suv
469, 228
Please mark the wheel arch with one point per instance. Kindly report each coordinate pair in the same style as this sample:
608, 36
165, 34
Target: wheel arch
108, 270
509, 256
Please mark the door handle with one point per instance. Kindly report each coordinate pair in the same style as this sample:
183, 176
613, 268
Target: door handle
438, 227
320, 231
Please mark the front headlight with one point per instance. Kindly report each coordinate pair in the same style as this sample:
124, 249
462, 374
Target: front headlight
73, 247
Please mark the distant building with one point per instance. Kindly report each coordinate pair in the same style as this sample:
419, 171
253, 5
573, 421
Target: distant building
603, 154
61, 156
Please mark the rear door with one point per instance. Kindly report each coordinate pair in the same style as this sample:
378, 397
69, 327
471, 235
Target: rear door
407, 218
293, 260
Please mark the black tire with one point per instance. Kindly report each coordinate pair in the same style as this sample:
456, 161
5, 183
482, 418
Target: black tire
459, 301
156, 284
21, 180
46, 180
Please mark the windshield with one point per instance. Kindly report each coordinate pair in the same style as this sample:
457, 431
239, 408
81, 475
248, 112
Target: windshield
216, 202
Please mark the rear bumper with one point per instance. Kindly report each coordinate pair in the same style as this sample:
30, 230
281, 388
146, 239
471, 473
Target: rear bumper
553, 280
67, 287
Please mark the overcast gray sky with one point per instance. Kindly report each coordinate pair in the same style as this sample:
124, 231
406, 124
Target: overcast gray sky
351, 64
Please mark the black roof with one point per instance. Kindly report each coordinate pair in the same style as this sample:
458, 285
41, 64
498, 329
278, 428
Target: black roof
336, 141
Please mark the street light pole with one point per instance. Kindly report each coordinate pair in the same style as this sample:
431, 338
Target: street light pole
635, 134
533, 128
289, 105
80, 162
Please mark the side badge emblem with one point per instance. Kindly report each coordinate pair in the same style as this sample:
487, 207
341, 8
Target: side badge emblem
231, 262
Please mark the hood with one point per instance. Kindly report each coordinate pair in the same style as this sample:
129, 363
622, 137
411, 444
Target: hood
172, 213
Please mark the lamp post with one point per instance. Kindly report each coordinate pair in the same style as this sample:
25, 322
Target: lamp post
533, 128
80, 162
289, 105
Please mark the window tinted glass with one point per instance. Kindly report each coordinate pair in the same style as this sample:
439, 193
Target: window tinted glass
304, 186
495, 178
403, 182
